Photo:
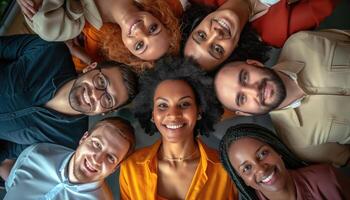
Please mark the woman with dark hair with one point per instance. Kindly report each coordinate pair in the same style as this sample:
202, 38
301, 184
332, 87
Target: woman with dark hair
249, 45
177, 100
264, 168
217, 35
131, 32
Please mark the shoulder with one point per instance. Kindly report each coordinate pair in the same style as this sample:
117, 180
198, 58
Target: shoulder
211, 154
140, 155
316, 173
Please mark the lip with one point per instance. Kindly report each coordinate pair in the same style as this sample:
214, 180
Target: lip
89, 167
225, 25
133, 26
174, 126
270, 178
86, 97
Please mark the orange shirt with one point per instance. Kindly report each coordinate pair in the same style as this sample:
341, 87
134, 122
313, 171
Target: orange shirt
138, 176
93, 36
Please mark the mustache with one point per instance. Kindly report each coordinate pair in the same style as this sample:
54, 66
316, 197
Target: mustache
261, 89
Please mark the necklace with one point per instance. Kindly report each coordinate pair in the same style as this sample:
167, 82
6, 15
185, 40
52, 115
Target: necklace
179, 159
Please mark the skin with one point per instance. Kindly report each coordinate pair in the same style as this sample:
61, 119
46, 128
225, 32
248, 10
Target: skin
248, 88
211, 42
79, 96
175, 107
98, 154
143, 34
261, 168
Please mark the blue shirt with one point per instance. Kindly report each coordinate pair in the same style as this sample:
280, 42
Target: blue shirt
41, 173
31, 71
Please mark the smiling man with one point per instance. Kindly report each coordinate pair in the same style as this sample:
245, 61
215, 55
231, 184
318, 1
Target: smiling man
42, 99
61, 173
307, 92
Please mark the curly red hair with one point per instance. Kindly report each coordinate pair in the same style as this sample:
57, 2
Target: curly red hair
113, 47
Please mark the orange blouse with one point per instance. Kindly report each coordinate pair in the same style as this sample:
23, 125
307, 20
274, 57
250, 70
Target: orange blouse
93, 36
138, 176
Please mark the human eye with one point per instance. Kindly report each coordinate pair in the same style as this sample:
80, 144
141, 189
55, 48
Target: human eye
201, 36
100, 81
244, 78
111, 159
153, 28
218, 49
162, 106
139, 45
246, 169
262, 154
107, 101
96, 145
242, 99
185, 104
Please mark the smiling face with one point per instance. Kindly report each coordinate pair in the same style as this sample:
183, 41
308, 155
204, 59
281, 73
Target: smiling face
249, 88
214, 39
88, 97
258, 165
175, 110
99, 154
145, 36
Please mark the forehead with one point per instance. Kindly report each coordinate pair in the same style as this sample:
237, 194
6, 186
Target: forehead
111, 137
157, 45
227, 85
173, 89
116, 86
243, 149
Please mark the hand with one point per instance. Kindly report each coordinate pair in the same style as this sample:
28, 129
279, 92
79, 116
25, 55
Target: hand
77, 50
5, 168
29, 7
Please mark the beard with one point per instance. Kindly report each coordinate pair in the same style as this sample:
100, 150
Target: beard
76, 101
279, 94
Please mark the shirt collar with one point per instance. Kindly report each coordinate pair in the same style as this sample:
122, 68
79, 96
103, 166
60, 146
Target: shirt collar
291, 68
63, 171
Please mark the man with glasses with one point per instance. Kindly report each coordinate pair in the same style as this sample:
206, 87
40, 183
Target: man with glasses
42, 99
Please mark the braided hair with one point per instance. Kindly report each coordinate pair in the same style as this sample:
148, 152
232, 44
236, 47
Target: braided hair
237, 132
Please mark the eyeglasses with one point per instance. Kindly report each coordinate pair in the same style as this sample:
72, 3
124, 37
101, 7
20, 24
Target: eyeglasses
101, 82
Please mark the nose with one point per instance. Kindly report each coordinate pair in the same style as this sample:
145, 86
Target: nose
260, 170
216, 30
251, 91
98, 158
174, 112
140, 31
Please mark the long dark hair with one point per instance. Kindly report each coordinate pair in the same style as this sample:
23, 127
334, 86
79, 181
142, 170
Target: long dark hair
234, 133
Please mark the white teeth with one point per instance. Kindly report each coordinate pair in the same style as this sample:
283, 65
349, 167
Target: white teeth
86, 97
91, 168
174, 126
133, 27
223, 23
267, 179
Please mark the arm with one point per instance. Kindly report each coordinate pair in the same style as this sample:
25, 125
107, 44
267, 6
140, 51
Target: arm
13, 47
57, 20
78, 51
123, 185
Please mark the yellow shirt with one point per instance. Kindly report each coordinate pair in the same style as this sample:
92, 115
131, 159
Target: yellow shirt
138, 176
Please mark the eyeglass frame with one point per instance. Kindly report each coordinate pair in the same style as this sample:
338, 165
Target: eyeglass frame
105, 93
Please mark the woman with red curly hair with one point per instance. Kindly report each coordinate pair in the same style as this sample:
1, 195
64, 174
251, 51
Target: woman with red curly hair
132, 32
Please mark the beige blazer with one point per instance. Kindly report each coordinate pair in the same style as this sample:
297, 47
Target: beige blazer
61, 20
319, 129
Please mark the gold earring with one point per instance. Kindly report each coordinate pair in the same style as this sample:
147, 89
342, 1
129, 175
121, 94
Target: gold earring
199, 117
152, 120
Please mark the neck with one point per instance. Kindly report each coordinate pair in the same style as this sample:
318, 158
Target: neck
293, 91
240, 7
71, 176
178, 151
60, 101
115, 11
287, 193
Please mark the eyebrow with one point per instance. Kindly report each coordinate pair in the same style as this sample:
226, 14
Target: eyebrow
238, 93
164, 99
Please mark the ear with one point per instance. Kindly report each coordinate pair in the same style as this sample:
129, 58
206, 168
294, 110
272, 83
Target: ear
86, 135
254, 62
241, 113
90, 67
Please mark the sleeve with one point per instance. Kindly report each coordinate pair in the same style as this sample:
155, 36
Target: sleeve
19, 162
334, 153
284, 19
10, 150
13, 47
58, 20
124, 190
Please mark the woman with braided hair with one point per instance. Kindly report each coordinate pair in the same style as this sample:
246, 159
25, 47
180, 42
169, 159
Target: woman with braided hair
264, 168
